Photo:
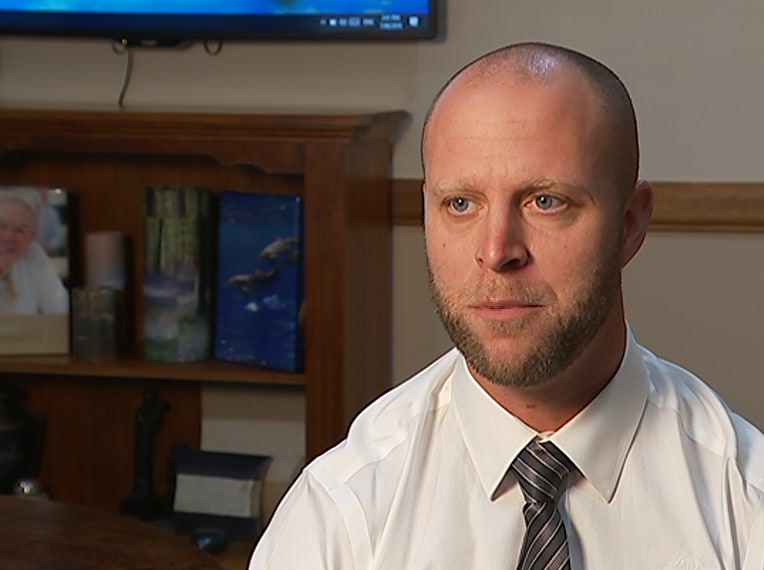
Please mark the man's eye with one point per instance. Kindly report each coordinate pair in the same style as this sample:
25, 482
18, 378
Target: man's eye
459, 205
547, 202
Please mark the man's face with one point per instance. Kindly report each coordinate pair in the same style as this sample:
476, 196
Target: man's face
18, 228
523, 225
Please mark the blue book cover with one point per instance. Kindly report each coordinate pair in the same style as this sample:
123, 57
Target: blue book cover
218, 490
260, 280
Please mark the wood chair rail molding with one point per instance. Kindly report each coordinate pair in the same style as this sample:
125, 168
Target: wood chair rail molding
679, 206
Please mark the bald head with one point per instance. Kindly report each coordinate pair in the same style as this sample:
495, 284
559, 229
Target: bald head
538, 63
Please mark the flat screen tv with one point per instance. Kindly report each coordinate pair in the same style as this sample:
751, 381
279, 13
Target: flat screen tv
168, 22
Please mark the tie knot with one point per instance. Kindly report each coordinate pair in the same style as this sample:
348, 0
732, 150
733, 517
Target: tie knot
540, 469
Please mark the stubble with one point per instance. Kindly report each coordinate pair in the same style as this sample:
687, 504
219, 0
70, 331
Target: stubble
561, 340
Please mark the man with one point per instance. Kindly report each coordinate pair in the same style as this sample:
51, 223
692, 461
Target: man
548, 438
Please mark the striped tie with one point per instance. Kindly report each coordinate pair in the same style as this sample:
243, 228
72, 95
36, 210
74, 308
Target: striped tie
540, 469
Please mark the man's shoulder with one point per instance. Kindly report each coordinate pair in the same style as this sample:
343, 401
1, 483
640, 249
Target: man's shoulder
388, 422
705, 417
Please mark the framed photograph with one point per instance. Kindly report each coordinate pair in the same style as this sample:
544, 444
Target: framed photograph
34, 270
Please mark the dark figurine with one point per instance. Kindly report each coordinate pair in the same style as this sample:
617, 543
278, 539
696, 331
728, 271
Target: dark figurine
143, 502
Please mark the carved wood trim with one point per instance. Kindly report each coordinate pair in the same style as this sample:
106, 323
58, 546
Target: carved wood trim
680, 206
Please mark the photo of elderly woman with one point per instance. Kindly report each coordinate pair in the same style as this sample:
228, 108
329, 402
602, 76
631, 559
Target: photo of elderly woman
30, 280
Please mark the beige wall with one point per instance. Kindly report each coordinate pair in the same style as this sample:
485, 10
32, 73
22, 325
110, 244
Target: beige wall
693, 67
696, 299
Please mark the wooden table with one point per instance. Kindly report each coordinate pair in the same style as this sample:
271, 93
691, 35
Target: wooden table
44, 535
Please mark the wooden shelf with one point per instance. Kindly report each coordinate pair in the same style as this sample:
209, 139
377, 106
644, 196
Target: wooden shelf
340, 163
137, 367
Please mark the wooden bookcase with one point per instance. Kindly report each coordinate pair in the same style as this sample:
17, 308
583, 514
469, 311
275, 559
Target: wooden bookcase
340, 163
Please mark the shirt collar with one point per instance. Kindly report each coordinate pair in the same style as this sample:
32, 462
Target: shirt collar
597, 439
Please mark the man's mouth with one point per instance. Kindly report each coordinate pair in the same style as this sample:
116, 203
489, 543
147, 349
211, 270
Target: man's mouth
504, 310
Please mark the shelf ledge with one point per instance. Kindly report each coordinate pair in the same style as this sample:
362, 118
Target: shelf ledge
138, 367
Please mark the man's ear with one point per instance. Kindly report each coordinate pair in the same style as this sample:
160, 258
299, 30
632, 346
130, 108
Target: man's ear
636, 219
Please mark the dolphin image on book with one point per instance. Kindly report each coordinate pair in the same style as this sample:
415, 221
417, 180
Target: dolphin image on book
254, 280
278, 247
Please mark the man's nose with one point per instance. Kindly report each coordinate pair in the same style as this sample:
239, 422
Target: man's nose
502, 246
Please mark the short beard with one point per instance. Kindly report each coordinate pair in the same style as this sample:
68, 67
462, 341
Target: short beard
559, 345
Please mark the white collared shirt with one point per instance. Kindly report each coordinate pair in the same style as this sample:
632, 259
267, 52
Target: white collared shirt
668, 477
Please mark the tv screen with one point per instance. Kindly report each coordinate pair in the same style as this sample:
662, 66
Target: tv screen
150, 22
